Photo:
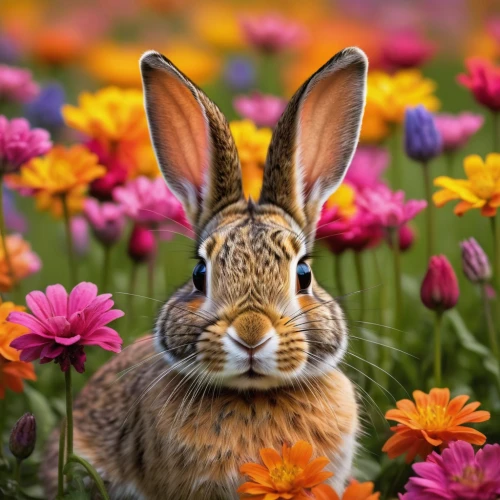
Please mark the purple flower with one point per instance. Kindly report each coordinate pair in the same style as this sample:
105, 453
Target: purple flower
45, 110
264, 110
457, 474
107, 220
9, 52
475, 262
19, 143
80, 233
239, 73
16, 84
456, 130
15, 220
422, 139
367, 166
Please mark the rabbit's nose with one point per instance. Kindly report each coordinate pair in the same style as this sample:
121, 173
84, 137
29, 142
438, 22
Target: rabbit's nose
251, 330
250, 349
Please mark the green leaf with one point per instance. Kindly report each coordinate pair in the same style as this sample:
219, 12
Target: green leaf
40, 407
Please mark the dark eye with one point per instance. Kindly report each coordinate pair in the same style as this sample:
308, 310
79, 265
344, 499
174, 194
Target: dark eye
304, 276
200, 276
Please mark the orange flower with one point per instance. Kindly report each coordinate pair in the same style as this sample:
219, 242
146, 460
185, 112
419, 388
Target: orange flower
9, 331
433, 420
12, 374
290, 477
359, 491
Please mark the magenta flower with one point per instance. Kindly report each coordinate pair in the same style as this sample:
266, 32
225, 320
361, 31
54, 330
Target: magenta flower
264, 110
19, 143
406, 49
457, 474
456, 130
142, 244
439, 291
17, 84
149, 202
61, 325
367, 167
388, 209
106, 219
271, 33
475, 262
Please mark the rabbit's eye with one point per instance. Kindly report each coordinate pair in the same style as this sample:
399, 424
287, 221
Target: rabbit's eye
304, 276
199, 276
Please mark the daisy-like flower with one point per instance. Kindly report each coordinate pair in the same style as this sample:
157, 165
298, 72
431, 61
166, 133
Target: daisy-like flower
358, 491
433, 420
292, 476
61, 172
343, 199
17, 84
106, 219
24, 261
457, 474
264, 110
12, 374
367, 166
62, 324
480, 190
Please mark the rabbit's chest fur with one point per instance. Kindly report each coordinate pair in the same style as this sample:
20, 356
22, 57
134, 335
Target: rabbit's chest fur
183, 441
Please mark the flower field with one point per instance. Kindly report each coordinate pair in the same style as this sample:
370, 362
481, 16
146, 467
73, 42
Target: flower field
94, 242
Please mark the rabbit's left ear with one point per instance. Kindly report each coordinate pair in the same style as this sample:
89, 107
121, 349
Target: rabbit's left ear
314, 141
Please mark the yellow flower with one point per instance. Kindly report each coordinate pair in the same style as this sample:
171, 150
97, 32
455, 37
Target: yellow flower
61, 172
343, 198
252, 144
9, 331
387, 98
481, 189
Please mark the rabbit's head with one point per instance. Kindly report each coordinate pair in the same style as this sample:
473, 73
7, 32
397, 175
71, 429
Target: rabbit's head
253, 316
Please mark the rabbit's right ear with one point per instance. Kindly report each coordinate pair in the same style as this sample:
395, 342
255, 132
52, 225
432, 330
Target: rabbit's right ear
192, 141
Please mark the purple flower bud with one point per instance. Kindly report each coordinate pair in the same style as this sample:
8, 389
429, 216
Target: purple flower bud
422, 139
439, 290
475, 262
23, 437
142, 244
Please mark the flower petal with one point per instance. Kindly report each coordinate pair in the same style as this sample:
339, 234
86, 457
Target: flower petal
67, 340
39, 305
58, 299
81, 296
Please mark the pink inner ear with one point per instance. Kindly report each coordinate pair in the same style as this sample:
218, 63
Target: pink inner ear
181, 129
324, 114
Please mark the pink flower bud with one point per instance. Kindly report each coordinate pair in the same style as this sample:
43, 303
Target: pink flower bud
142, 244
475, 262
439, 290
406, 237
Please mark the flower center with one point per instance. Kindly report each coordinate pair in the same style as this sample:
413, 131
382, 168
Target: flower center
471, 476
284, 476
434, 418
484, 186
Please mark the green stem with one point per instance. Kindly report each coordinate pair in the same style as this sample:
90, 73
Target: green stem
60, 461
394, 239
395, 147
358, 262
437, 349
91, 472
69, 413
3, 413
69, 241
106, 267
489, 321
339, 281
3, 234
269, 74
450, 163
429, 212
496, 131
495, 228
131, 293
17, 473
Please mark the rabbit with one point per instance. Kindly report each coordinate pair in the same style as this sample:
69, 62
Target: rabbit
246, 354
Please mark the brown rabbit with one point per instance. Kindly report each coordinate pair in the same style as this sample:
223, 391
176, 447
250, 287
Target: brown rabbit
245, 355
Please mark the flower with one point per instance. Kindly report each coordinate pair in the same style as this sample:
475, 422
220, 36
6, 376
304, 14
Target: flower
367, 166
16, 84
387, 98
45, 110
439, 291
456, 130
433, 420
457, 474
9, 51
475, 262
24, 262
106, 219
271, 33
239, 73
343, 199
406, 238
480, 190
358, 491
80, 234
59, 44
23, 437
388, 209
483, 80
406, 49
14, 220
263, 110
61, 325
19, 143
252, 145
61, 172
12, 374
142, 244
287, 477
422, 139
9, 331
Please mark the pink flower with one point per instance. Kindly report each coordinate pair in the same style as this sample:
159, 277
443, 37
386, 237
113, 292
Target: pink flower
456, 130
264, 110
406, 49
272, 33
406, 237
60, 326
483, 81
19, 143
388, 209
457, 474
142, 244
106, 219
367, 166
439, 291
16, 84
150, 202
80, 233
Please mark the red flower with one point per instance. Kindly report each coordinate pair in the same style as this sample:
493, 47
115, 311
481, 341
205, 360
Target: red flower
439, 290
